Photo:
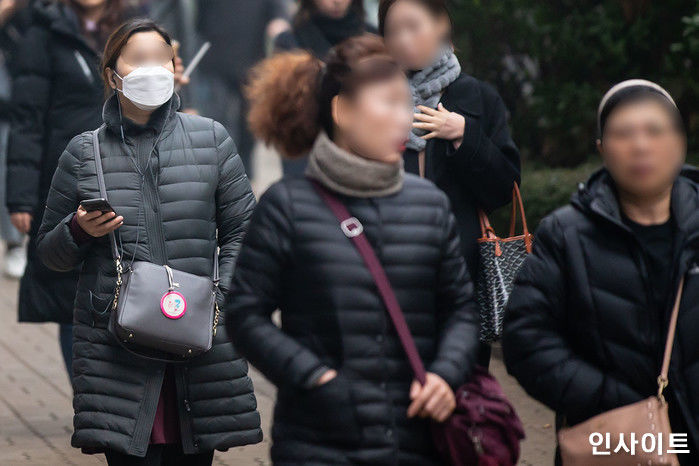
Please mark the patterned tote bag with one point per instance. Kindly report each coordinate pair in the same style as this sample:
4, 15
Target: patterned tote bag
500, 260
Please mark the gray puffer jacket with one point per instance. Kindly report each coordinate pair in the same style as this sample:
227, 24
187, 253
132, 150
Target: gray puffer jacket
193, 187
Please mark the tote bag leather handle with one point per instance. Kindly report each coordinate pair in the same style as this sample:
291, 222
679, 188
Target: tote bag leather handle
487, 231
517, 201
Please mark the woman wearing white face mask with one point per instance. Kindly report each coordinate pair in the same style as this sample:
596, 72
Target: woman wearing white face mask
178, 190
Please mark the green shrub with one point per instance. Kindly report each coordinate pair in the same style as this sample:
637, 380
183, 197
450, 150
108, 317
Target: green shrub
546, 189
553, 60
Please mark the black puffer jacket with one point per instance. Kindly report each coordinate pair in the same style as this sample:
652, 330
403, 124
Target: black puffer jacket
57, 94
580, 334
195, 186
481, 172
296, 258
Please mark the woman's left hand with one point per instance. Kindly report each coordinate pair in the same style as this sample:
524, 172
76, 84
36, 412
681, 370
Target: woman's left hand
435, 399
440, 123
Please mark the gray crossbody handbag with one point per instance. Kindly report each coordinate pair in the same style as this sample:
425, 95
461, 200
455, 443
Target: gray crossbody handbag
158, 310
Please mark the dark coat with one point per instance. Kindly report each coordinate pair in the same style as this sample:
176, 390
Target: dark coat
236, 30
307, 36
296, 258
481, 172
11, 37
581, 334
57, 94
194, 191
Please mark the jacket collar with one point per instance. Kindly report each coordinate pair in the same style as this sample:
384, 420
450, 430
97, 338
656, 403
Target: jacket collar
598, 197
350, 174
162, 118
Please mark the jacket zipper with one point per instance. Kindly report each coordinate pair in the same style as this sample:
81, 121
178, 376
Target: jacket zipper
639, 256
189, 446
392, 432
152, 211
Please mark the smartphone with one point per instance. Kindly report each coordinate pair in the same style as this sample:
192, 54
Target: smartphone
100, 204
195, 61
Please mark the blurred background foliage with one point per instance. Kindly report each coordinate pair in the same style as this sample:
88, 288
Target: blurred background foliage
552, 60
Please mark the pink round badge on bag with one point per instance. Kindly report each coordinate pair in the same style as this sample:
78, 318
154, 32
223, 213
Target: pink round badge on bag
173, 305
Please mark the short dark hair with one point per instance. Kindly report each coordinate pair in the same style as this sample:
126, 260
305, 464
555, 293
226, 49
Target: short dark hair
436, 7
636, 94
308, 7
118, 40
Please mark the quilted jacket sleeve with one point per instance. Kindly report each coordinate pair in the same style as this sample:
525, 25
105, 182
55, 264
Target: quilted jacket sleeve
534, 340
488, 159
55, 243
254, 296
31, 91
235, 202
458, 315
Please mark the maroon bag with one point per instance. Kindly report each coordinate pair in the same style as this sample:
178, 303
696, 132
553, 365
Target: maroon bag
484, 429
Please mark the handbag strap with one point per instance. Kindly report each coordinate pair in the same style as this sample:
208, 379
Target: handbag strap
672, 327
103, 189
103, 194
353, 229
517, 202
487, 231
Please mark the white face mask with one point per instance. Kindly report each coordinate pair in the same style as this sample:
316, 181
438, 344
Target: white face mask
148, 87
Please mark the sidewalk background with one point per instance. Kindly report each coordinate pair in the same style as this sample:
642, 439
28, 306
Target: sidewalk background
35, 395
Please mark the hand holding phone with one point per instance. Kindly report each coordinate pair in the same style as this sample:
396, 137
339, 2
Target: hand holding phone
101, 204
97, 223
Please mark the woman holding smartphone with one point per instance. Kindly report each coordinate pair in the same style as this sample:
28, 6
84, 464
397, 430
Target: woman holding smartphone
346, 393
179, 191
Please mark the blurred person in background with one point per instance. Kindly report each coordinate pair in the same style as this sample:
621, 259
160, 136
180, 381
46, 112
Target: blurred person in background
587, 320
238, 31
317, 26
14, 20
460, 138
57, 93
179, 18
346, 392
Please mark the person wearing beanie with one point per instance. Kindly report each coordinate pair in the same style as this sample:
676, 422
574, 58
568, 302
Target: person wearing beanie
346, 391
586, 324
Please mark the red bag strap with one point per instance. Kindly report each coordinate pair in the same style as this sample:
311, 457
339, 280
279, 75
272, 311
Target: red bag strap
353, 229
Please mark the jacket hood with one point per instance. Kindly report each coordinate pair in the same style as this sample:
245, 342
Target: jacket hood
598, 197
59, 17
